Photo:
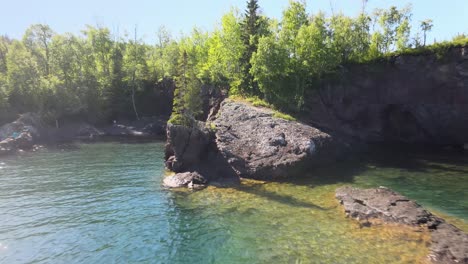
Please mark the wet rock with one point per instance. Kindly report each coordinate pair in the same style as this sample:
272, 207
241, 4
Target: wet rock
258, 145
449, 244
192, 180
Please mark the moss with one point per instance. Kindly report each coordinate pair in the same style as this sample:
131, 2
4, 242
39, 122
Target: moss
178, 119
257, 102
254, 100
211, 126
284, 116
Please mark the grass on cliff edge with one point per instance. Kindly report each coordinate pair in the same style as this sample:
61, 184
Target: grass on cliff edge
257, 102
439, 49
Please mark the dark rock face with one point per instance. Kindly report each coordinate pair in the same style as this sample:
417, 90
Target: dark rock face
409, 99
260, 146
449, 244
186, 146
191, 180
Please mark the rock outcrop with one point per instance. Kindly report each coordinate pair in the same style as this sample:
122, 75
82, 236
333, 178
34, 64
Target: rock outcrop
258, 145
241, 140
405, 99
449, 244
21, 134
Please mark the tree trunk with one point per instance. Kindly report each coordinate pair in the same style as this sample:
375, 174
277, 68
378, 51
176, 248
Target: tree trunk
133, 97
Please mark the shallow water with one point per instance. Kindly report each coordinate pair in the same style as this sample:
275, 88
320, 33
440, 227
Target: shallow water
103, 203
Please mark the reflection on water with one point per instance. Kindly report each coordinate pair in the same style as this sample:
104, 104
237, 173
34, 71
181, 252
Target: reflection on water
104, 203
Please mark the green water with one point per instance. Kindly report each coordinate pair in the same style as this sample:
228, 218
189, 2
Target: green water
103, 203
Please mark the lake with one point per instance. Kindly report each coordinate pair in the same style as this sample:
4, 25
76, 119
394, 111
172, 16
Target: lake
103, 203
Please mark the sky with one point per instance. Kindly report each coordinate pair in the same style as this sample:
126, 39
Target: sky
180, 16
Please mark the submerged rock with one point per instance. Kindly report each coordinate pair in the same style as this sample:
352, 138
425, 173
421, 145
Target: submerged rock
258, 145
192, 180
383, 204
449, 244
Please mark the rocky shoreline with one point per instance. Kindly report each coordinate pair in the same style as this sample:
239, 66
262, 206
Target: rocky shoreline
449, 244
30, 133
239, 141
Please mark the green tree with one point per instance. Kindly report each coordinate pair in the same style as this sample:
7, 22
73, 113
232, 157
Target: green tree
225, 51
23, 79
278, 65
395, 29
135, 67
187, 105
5, 43
426, 26
37, 39
253, 27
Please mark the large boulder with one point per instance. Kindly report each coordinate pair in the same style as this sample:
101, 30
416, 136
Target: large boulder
258, 145
449, 244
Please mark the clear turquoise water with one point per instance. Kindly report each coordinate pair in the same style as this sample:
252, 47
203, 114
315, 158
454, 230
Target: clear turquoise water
103, 203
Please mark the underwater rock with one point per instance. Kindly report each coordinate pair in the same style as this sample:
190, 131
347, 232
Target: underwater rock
449, 244
384, 204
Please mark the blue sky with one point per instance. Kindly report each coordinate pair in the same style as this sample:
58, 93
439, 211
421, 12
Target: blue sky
450, 16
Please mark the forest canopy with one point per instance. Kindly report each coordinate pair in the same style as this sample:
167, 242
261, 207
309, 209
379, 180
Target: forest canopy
99, 76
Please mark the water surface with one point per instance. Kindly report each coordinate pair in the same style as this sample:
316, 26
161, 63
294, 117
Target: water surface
103, 203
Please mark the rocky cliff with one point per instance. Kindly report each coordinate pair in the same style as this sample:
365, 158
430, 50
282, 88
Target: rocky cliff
407, 99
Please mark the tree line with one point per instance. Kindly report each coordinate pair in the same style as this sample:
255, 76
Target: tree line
101, 76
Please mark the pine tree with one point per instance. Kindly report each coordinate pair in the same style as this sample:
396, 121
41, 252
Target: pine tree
251, 27
187, 103
178, 108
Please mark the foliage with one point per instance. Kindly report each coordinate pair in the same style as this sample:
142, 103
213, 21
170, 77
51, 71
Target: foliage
187, 103
267, 62
257, 102
284, 116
